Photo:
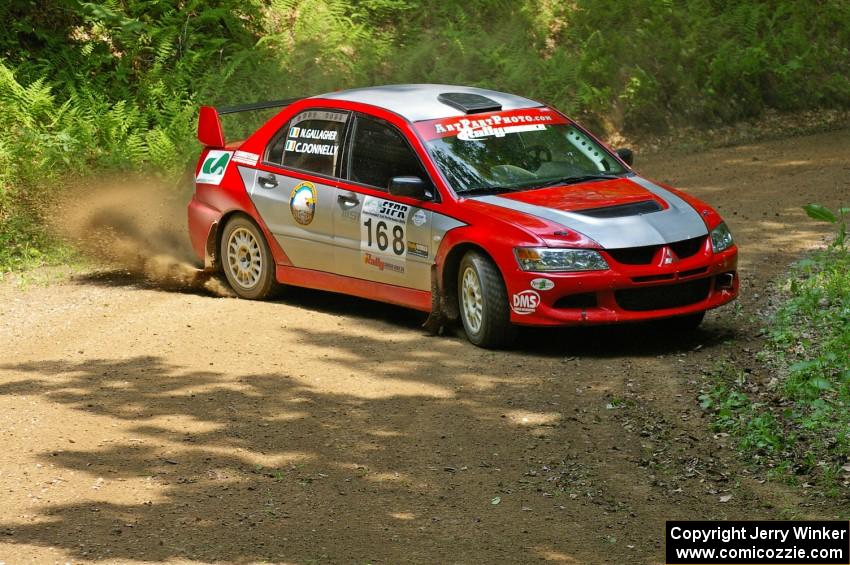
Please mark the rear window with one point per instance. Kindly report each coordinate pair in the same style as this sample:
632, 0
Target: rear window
310, 142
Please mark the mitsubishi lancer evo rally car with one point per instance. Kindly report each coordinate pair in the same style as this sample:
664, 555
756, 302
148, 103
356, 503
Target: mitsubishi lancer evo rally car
460, 202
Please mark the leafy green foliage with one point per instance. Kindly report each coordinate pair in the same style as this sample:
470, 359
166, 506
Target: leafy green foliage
800, 422
819, 212
824, 214
116, 84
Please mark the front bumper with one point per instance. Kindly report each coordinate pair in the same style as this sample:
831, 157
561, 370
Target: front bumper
625, 293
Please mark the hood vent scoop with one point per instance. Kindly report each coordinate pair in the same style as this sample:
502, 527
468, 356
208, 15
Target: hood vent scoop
622, 210
469, 103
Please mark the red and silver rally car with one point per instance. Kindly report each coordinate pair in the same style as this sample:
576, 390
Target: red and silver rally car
460, 202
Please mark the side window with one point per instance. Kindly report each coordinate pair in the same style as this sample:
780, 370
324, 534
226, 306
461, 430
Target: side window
379, 152
310, 142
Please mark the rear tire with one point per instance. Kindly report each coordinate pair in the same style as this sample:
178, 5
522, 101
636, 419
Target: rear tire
246, 259
483, 301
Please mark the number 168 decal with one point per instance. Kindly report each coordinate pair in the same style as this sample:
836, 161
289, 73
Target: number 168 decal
382, 227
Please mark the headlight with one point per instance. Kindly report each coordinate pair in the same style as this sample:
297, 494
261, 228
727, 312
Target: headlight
548, 259
721, 238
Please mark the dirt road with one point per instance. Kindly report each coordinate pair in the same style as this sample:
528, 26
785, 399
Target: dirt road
143, 425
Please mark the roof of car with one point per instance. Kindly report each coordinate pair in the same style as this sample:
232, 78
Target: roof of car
417, 102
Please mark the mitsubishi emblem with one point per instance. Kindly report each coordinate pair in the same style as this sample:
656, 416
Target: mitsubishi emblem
667, 256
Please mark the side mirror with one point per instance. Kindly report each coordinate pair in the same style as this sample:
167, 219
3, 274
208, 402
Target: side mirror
627, 155
412, 187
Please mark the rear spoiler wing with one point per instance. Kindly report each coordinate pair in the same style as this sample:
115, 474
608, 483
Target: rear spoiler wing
210, 133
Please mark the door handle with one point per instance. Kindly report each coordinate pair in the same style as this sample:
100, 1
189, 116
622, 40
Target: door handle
267, 182
348, 201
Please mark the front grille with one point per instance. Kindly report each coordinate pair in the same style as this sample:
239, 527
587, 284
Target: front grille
663, 296
688, 247
622, 210
654, 278
644, 255
634, 255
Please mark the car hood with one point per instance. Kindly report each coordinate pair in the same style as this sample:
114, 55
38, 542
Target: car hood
617, 213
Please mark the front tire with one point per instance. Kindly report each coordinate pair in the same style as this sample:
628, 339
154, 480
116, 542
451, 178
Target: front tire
483, 301
246, 259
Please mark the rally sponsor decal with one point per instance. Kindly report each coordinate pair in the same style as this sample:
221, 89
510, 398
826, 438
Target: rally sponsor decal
213, 167
419, 218
542, 284
302, 203
417, 249
496, 124
487, 131
383, 264
383, 225
525, 302
246, 158
464, 126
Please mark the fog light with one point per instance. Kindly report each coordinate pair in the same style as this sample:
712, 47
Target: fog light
725, 281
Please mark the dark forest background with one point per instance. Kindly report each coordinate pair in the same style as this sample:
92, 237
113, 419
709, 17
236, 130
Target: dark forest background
92, 87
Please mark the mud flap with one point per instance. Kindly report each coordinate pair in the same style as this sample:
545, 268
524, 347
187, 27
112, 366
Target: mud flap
436, 322
210, 249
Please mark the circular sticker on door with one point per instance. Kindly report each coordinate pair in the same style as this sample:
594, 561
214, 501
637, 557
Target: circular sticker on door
419, 218
302, 202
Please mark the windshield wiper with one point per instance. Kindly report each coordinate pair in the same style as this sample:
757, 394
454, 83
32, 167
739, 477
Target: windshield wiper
530, 185
577, 179
488, 190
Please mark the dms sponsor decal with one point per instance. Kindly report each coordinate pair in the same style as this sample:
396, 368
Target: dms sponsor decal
381, 264
302, 203
525, 302
542, 284
417, 249
245, 158
213, 167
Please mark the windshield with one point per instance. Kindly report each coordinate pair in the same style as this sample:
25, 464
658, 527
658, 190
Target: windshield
514, 150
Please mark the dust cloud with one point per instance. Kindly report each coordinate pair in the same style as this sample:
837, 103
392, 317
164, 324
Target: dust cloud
136, 225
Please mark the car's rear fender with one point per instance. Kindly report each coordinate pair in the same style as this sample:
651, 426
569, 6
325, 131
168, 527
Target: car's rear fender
213, 205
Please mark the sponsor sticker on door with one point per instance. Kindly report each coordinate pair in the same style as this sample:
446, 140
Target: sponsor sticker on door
417, 249
383, 227
246, 158
213, 167
419, 218
525, 302
302, 203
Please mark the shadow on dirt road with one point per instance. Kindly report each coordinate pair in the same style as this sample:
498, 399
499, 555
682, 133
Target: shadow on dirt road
142, 425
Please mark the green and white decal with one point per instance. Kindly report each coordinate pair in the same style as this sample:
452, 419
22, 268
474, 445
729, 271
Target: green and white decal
213, 167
